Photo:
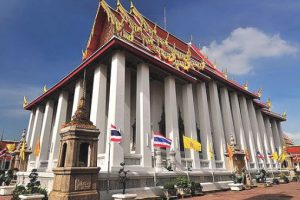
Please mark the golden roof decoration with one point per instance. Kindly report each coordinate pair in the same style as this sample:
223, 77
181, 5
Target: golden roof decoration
259, 92
142, 31
284, 115
45, 89
269, 103
25, 102
225, 73
246, 86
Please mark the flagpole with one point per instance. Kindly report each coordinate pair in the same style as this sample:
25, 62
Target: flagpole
108, 167
153, 159
186, 165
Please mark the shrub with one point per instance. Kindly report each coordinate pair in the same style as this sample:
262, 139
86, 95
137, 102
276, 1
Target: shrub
19, 189
32, 187
182, 182
169, 186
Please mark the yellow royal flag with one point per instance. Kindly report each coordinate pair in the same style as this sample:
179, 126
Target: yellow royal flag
22, 151
37, 148
275, 155
10, 148
190, 143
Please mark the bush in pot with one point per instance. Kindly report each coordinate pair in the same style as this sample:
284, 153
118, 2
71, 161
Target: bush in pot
33, 187
183, 186
170, 190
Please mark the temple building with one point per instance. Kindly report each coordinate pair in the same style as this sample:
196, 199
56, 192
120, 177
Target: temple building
142, 79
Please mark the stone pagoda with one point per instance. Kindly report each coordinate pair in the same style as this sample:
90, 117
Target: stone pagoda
76, 174
21, 162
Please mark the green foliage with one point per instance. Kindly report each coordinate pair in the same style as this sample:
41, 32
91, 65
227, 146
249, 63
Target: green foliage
169, 185
33, 187
19, 189
182, 182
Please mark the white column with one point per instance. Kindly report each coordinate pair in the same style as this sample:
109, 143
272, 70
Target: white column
189, 121
204, 123
127, 111
36, 129
217, 125
255, 130
248, 130
276, 136
280, 132
116, 107
227, 116
30, 125
171, 112
269, 133
77, 95
238, 124
98, 105
143, 120
60, 118
265, 139
45, 135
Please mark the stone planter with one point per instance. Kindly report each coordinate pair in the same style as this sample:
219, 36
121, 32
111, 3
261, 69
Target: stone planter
32, 196
6, 190
124, 196
170, 193
184, 192
236, 186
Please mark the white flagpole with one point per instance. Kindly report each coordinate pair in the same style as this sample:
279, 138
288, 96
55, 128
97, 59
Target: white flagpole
154, 158
186, 166
108, 165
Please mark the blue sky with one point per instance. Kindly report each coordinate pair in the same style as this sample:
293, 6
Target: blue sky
258, 41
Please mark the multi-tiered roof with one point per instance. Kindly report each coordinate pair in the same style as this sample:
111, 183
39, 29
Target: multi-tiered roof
137, 34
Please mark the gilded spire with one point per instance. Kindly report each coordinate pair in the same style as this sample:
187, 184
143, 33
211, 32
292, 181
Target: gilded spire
131, 6
80, 118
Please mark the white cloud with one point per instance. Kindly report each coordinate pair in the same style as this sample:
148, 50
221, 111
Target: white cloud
243, 46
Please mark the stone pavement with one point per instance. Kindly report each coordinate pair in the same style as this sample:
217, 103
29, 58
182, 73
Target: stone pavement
289, 191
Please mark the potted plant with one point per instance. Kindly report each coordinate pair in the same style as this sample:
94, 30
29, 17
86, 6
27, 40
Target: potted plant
283, 178
170, 190
183, 186
33, 190
196, 189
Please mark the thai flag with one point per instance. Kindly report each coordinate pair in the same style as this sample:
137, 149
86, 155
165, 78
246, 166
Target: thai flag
115, 134
259, 155
270, 155
161, 141
3, 151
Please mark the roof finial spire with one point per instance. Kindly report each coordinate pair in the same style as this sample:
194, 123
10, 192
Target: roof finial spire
165, 18
81, 118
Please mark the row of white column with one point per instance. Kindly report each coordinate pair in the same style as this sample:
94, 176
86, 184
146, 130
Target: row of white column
221, 115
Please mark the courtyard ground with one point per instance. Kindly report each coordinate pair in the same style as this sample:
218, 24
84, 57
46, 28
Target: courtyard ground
289, 191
